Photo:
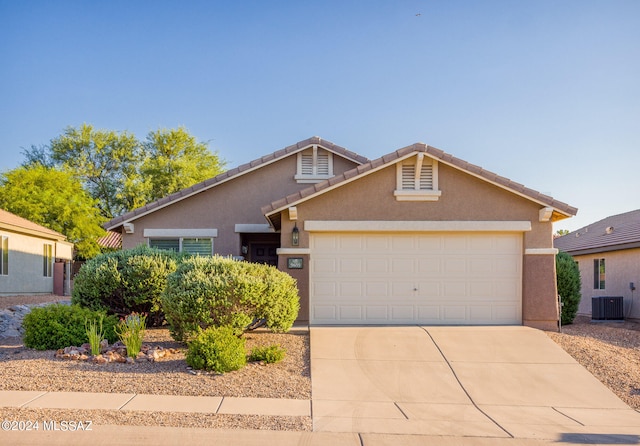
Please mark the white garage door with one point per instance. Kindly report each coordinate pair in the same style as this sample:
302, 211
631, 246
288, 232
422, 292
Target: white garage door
416, 278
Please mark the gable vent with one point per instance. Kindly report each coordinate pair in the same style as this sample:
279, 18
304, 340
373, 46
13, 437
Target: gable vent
323, 163
425, 181
426, 177
307, 164
408, 176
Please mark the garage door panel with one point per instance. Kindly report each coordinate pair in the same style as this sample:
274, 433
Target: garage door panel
434, 278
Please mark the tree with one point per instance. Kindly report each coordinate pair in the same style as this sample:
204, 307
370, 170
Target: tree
560, 233
569, 284
56, 200
122, 173
104, 160
173, 160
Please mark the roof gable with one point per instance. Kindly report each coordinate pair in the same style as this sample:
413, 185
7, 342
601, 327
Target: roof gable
613, 233
560, 209
12, 222
234, 173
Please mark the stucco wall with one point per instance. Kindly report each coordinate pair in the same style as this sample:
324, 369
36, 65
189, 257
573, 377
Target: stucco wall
464, 198
25, 266
621, 268
237, 201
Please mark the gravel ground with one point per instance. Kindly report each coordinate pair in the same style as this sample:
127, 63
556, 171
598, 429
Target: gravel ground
22, 369
592, 344
609, 350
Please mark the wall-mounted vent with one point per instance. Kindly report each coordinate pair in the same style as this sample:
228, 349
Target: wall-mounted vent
607, 308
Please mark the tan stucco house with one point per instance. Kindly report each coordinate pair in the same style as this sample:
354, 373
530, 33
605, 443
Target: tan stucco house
33, 259
414, 237
608, 254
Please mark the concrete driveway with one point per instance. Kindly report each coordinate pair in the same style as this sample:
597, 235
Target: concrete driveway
498, 382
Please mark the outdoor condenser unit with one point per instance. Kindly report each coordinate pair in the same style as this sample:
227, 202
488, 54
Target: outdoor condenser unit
607, 308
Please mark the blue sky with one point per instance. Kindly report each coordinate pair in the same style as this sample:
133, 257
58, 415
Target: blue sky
546, 93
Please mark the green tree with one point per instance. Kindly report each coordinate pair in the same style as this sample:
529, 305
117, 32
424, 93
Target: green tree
56, 200
105, 161
173, 160
569, 284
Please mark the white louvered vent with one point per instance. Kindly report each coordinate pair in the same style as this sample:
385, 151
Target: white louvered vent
307, 164
408, 176
323, 163
426, 177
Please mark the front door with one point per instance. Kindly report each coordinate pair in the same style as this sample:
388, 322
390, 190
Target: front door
264, 253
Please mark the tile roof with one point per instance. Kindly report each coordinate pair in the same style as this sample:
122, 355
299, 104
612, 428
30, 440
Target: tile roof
232, 173
13, 222
112, 240
439, 155
613, 233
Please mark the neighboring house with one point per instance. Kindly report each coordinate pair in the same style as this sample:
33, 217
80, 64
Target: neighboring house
608, 254
415, 237
33, 259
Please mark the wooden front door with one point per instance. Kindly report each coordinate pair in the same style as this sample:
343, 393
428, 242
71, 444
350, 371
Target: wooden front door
264, 253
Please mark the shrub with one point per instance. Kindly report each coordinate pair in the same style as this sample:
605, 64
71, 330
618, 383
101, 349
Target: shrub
568, 280
215, 291
125, 282
58, 326
217, 349
270, 355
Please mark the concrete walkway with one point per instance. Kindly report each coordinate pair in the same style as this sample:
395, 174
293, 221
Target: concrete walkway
382, 386
483, 382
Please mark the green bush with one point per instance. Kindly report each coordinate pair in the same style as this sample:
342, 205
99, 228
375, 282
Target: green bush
58, 326
270, 355
568, 280
125, 282
215, 291
217, 349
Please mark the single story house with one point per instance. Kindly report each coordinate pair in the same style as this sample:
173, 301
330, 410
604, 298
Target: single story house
608, 254
414, 237
33, 259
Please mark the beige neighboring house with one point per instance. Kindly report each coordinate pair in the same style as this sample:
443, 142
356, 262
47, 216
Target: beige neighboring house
33, 259
608, 254
414, 237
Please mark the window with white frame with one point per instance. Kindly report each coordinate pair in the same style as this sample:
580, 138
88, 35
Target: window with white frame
417, 179
47, 260
195, 246
4, 256
314, 165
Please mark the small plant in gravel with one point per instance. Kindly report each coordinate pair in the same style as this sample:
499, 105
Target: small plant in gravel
270, 355
217, 349
59, 326
131, 330
95, 333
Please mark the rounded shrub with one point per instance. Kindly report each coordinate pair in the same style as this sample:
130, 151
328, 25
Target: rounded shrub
569, 284
217, 349
125, 282
58, 326
217, 291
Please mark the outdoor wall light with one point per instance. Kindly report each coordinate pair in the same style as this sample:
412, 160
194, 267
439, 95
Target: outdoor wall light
295, 235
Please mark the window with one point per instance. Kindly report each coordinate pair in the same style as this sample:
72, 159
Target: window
196, 246
47, 261
417, 179
4, 256
598, 274
314, 165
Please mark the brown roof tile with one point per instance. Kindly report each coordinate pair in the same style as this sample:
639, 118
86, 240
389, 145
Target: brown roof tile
439, 155
613, 233
14, 222
211, 182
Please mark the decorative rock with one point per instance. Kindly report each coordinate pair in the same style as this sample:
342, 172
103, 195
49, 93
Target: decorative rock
130, 360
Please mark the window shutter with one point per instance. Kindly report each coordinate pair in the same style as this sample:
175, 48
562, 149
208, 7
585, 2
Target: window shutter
323, 163
307, 164
426, 177
408, 177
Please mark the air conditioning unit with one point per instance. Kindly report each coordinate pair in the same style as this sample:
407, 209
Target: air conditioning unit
607, 308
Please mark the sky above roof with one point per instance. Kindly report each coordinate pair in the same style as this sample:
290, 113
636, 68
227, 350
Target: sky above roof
543, 92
